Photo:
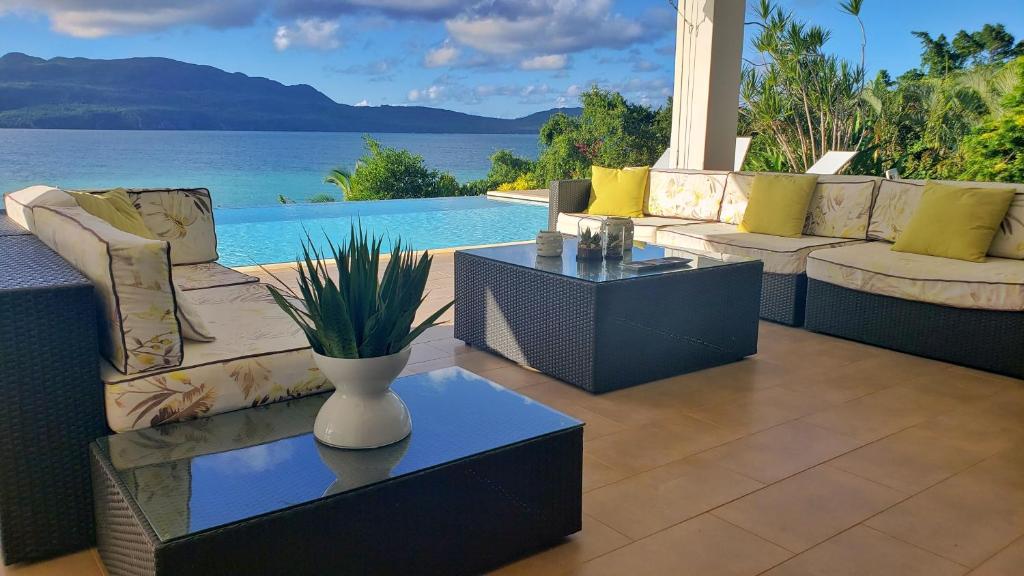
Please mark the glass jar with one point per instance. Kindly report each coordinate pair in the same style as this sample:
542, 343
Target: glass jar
588, 245
613, 231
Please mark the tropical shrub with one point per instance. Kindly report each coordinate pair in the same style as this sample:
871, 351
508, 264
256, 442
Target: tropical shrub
995, 150
386, 173
321, 199
364, 314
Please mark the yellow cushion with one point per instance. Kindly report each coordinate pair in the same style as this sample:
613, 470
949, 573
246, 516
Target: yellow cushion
116, 208
778, 204
617, 192
955, 221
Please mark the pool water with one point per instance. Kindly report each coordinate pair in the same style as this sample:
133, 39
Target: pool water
272, 234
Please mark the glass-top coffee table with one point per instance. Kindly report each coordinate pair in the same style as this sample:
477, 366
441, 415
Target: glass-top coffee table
486, 476
600, 325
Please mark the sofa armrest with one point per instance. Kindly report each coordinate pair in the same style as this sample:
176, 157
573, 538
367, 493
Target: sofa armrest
566, 196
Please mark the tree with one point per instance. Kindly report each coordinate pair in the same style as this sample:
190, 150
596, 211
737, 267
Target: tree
342, 179
799, 101
385, 173
610, 131
995, 150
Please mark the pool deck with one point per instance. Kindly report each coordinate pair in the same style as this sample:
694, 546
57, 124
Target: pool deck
539, 196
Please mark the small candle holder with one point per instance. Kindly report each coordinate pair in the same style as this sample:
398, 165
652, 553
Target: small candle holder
549, 244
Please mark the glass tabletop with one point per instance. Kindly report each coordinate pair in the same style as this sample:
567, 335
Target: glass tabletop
198, 475
604, 270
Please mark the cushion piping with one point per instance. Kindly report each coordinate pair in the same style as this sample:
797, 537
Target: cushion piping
841, 241
133, 377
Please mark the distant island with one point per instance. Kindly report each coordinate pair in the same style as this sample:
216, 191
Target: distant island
165, 94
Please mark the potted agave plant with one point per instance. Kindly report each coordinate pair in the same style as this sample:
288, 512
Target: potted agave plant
360, 328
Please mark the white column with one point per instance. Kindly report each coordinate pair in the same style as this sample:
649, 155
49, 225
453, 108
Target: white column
705, 100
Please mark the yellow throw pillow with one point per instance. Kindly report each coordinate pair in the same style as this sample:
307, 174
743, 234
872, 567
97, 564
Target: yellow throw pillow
955, 221
617, 192
116, 208
778, 204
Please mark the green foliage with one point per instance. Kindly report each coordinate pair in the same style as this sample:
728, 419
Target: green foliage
610, 132
342, 179
995, 150
386, 173
282, 199
798, 98
363, 314
321, 199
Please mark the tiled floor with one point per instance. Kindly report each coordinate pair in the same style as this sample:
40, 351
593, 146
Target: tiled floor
817, 457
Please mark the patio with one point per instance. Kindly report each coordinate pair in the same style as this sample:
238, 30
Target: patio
817, 456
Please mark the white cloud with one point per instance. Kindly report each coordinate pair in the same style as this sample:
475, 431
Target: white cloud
443, 55
545, 62
433, 93
505, 27
99, 18
363, 102
308, 33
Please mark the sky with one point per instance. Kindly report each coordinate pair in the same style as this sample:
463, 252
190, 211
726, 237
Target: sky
504, 58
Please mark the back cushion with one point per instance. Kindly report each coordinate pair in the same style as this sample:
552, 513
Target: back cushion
897, 200
181, 216
132, 279
734, 201
19, 204
682, 194
840, 209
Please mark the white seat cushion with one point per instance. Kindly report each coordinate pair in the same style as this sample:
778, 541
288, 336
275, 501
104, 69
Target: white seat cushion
644, 229
259, 356
997, 284
780, 255
208, 275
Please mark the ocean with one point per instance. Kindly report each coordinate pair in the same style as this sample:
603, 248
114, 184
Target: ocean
241, 169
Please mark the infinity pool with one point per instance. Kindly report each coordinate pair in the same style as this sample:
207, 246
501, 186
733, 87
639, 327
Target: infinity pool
271, 234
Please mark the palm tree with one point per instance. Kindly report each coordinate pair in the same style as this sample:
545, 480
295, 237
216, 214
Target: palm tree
342, 179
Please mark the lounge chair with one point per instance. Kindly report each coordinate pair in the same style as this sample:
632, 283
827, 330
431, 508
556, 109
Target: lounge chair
832, 162
742, 147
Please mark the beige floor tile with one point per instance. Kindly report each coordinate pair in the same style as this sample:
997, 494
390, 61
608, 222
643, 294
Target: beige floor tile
856, 379
967, 518
1008, 562
646, 503
911, 460
84, 563
862, 551
882, 413
513, 377
597, 425
437, 333
477, 361
781, 451
705, 546
425, 353
597, 473
645, 447
594, 540
760, 409
808, 508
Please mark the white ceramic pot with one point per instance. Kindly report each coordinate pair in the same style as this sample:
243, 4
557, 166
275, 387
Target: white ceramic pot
362, 412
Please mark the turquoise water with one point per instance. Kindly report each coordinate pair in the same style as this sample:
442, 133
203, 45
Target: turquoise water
239, 168
266, 234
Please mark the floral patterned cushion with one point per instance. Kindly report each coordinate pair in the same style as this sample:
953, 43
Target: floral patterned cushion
183, 217
840, 209
259, 356
208, 275
874, 267
734, 201
691, 195
19, 203
644, 229
132, 277
897, 200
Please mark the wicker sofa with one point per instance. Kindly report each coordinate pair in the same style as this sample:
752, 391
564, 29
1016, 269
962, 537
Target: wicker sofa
138, 369
841, 277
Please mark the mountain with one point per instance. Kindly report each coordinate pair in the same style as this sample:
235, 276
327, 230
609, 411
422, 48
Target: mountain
165, 94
